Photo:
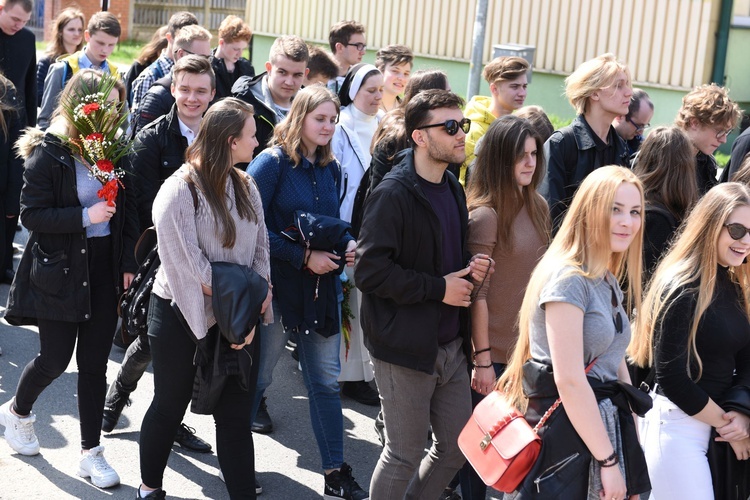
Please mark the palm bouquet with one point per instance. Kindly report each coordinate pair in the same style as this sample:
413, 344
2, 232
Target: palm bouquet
100, 143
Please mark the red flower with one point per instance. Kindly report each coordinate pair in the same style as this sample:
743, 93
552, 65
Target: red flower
90, 108
96, 136
109, 191
105, 165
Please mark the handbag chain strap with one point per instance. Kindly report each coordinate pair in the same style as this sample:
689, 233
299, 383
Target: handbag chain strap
556, 404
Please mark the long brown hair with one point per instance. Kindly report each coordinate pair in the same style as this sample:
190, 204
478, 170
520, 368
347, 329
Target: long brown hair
583, 243
56, 47
151, 51
692, 259
288, 134
210, 160
666, 166
493, 183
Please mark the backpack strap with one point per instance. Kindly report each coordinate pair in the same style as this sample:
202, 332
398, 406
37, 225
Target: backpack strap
193, 190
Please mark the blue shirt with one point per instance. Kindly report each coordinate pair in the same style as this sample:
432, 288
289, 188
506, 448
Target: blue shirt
84, 62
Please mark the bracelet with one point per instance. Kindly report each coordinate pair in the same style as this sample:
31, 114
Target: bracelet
481, 351
613, 458
614, 462
482, 366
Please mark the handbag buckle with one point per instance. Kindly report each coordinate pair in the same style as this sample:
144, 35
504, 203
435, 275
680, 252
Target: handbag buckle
486, 440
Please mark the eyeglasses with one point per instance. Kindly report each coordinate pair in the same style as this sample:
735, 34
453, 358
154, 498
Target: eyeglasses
360, 46
638, 126
720, 134
616, 316
451, 126
736, 230
186, 51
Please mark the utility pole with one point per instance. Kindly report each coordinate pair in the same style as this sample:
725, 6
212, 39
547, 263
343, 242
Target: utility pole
477, 49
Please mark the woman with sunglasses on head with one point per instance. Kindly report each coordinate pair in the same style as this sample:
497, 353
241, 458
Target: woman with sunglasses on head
508, 220
298, 172
573, 323
360, 95
707, 116
599, 90
206, 212
693, 332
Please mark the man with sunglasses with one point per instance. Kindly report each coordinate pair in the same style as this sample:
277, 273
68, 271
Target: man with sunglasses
348, 45
707, 116
417, 280
633, 125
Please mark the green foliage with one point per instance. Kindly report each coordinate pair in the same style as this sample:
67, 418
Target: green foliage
558, 122
721, 158
125, 52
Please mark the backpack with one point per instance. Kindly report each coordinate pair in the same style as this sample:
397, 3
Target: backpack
133, 304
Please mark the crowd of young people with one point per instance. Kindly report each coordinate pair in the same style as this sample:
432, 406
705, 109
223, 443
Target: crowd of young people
476, 248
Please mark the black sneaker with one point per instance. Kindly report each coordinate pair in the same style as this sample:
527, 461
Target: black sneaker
450, 494
263, 423
113, 409
159, 494
341, 484
361, 392
187, 439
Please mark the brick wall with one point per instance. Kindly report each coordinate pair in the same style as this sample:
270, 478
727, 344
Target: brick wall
120, 8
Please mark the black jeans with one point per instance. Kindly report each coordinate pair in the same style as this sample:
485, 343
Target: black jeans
134, 365
173, 349
58, 339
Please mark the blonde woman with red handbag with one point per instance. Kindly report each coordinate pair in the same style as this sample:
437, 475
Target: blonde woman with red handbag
572, 315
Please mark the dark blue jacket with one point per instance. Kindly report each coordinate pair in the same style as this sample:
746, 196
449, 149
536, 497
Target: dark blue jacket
285, 188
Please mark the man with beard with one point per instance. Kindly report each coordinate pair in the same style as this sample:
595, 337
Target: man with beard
417, 278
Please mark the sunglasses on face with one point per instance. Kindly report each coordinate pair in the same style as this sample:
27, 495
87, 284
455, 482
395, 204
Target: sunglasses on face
736, 230
616, 316
451, 126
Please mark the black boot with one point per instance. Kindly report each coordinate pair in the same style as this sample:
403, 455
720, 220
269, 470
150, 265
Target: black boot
263, 423
113, 407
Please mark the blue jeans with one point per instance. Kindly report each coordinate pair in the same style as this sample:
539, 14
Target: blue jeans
319, 357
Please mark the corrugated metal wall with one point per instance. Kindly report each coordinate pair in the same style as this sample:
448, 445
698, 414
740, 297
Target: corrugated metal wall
665, 42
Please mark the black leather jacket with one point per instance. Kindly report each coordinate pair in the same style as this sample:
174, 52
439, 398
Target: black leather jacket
572, 153
250, 90
157, 102
562, 469
159, 152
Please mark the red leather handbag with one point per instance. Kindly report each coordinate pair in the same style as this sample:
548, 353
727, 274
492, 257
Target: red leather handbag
499, 443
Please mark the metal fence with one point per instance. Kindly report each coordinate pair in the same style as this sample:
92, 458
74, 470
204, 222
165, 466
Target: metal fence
149, 15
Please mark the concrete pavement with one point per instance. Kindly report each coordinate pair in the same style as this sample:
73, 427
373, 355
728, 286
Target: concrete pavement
287, 460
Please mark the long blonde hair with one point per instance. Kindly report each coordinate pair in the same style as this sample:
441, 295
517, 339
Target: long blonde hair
690, 266
584, 243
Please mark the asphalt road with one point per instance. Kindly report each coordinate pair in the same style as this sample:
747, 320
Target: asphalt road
287, 461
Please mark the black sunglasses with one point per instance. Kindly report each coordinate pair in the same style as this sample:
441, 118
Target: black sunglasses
451, 126
616, 318
736, 230
186, 51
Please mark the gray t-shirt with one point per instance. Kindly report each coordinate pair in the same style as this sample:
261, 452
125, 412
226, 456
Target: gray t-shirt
594, 298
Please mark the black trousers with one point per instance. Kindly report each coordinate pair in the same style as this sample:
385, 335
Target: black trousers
58, 340
172, 350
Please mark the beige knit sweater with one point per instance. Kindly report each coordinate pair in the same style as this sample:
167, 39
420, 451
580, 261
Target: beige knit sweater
190, 241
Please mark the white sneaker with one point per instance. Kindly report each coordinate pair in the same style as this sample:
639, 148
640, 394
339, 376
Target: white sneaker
94, 465
19, 432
